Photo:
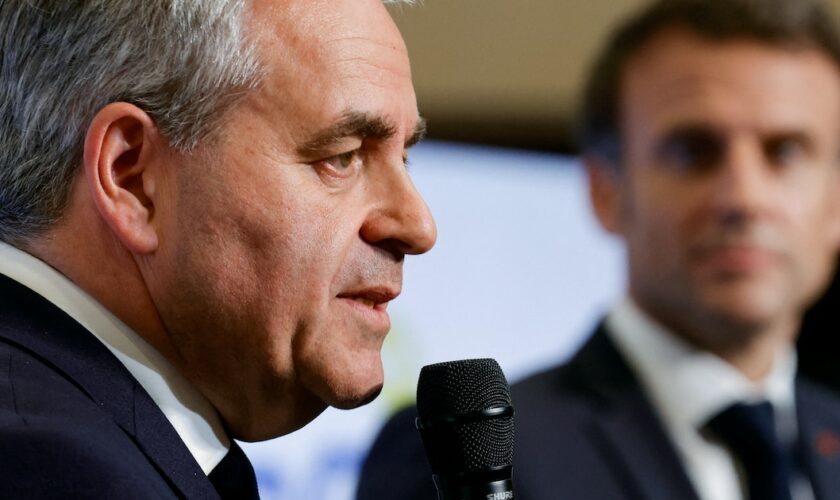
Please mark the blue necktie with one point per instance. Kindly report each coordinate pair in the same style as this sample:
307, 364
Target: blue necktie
750, 434
234, 477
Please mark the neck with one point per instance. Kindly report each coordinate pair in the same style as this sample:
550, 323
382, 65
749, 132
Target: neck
756, 357
82, 248
751, 348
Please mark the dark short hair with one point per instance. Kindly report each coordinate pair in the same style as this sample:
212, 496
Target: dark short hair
789, 24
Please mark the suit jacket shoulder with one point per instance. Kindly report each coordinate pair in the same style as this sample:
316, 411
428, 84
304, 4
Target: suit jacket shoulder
584, 430
74, 423
818, 419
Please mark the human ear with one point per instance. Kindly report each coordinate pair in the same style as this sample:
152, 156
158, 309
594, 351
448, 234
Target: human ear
119, 165
604, 191
834, 201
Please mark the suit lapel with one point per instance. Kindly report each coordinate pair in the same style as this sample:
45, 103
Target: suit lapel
818, 417
34, 324
625, 427
156, 437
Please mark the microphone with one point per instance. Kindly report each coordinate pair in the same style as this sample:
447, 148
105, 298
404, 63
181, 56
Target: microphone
466, 424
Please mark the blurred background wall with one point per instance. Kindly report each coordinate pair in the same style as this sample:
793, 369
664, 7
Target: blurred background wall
507, 72
521, 272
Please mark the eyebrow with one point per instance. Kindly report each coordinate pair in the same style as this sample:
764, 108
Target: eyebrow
361, 125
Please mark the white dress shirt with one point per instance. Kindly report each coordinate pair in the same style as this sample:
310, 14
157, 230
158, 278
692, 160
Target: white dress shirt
688, 386
194, 419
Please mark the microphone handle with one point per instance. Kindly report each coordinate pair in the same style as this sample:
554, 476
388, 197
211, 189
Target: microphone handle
495, 485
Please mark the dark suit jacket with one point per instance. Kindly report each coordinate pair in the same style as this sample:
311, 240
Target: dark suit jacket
586, 431
74, 423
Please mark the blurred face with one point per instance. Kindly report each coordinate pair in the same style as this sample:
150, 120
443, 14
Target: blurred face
727, 199
286, 240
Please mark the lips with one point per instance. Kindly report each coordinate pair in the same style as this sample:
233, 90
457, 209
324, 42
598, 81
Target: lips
737, 259
375, 298
363, 301
368, 306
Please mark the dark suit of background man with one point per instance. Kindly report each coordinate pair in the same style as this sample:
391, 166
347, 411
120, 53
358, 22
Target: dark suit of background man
711, 135
204, 211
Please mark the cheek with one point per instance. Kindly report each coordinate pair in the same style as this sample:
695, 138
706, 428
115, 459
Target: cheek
816, 231
653, 220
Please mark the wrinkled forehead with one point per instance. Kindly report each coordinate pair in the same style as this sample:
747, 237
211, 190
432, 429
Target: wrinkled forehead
313, 28
325, 60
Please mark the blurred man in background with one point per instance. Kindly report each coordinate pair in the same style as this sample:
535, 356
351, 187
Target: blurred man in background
204, 212
711, 136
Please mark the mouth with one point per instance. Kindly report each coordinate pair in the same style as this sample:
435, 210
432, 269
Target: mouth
369, 307
375, 298
362, 301
736, 260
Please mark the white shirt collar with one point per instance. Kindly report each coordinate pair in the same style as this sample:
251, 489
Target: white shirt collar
688, 385
193, 417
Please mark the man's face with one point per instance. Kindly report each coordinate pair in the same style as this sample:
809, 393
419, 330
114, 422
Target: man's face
285, 242
727, 196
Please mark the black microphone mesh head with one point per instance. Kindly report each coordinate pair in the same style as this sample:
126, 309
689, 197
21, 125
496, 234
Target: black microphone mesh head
454, 389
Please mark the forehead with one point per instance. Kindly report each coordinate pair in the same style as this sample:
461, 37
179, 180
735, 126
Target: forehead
325, 58
311, 27
680, 77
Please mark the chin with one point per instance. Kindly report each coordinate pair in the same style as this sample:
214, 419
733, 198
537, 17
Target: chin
346, 387
348, 401
273, 421
748, 310
343, 380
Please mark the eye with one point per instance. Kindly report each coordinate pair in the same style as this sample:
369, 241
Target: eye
346, 159
786, 151
691, 149
341, 165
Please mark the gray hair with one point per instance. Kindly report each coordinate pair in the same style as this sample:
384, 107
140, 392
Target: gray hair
185, 62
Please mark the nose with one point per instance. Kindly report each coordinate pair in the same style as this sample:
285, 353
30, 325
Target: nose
400, 221
742, 183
